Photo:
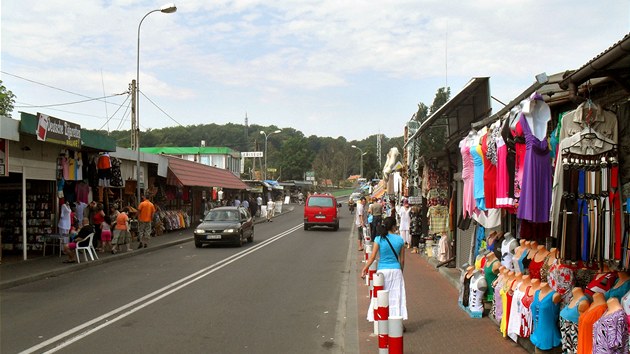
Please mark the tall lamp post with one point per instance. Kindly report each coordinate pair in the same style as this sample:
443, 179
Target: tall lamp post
167, 9
266, 137
362, 153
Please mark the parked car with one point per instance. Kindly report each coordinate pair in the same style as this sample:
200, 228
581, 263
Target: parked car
233, 225
321, 210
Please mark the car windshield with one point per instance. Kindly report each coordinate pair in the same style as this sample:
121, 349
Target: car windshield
320, 202
222, 215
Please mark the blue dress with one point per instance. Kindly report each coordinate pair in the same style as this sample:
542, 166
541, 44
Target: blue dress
545, 313
478, 186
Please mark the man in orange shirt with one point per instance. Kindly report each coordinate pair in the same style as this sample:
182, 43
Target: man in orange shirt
146, 209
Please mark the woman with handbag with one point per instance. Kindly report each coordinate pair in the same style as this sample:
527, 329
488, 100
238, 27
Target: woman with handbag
389, 246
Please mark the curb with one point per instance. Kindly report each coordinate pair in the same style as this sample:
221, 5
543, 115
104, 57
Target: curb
121, 255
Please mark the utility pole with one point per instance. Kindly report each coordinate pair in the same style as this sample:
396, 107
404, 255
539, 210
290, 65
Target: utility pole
134, 140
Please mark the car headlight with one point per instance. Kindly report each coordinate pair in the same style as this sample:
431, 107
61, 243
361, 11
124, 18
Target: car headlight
227, 231
200, 231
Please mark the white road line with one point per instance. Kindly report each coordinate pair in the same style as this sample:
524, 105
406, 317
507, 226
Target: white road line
146, 300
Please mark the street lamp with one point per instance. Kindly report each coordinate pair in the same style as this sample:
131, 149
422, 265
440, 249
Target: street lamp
362, 153
167, 9
267, 136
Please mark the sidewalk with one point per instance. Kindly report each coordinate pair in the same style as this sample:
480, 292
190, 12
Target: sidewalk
436, 324
23, 272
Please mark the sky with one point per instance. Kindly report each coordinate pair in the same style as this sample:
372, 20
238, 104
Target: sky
327, 68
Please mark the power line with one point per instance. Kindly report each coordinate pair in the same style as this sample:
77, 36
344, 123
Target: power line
156, 106
70, 103
27, 105
113, 114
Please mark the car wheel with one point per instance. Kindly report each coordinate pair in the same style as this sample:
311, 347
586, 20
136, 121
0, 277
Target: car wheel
240, 239
306, 227
336, 227
250, 239
198, 244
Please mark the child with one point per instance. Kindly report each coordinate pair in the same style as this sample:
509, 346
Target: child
106, 233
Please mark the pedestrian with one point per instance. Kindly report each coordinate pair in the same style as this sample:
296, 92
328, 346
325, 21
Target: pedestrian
389, 247
259, 202
271, 206
65, 219
253, 207
245, 203
405, 222
237, 202
146, 209
98, 216
70, 247
106, 233
361, 221
376, 210
122, 236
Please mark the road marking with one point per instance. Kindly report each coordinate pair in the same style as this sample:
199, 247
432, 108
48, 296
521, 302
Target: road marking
146, 300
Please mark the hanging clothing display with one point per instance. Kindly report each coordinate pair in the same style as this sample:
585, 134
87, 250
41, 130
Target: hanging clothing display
468, 171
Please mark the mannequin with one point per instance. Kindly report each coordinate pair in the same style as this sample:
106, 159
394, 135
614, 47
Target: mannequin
517, 310
538, 260
491, 271
569, 317
464, 295
518, 253
478, 287
537, 114
602, 282
545, 313
621, 286
534, 285
516, 281
610, 332
506, 300
508, 250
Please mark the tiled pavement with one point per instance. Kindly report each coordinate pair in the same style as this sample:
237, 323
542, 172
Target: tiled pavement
436, 324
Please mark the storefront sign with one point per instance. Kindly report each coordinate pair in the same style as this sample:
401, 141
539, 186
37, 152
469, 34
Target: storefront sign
4, 158
55, 130
252, 154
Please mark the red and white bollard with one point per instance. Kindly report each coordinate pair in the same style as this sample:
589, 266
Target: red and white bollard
395, 335
382, 299
378, 284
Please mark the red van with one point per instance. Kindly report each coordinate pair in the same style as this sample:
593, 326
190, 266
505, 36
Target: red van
321, 210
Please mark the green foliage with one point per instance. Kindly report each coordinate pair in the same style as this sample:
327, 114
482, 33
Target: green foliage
433, 139
7, 100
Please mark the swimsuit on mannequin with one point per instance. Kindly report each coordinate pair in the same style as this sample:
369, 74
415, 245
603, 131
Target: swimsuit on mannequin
518, 252
506, 300
569, 317
621, 287
508, 250
478, 287
526, 313
514, 327
587, 321
545, 313
550, 260
539, 258
491, 271
610, 332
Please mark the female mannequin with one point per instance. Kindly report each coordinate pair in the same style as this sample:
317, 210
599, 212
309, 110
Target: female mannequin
610, 332
569, 317
506, 300
602, 282
478, 287
490, 270
497, 305
621, 287
587, 321
464, 293
526, 312
508, 250
518, 252
545, 313
550, 259
538, 260
516, 281
516, 311
532, 247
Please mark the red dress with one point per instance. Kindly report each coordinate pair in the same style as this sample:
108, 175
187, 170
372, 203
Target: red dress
489, 176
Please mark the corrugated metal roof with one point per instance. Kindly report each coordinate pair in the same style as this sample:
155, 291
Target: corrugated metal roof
188, 173
189, 150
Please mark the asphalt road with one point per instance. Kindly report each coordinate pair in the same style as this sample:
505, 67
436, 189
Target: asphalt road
291, 291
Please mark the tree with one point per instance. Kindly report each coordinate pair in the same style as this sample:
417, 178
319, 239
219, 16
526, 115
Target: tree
296, 158
7, 100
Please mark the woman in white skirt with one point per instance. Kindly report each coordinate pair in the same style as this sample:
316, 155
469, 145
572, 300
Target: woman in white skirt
391, 264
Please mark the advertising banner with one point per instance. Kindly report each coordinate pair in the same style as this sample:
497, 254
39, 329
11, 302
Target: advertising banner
55, 130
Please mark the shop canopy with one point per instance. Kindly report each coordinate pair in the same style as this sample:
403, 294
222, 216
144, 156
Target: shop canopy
468, 106
379, 190
188, 173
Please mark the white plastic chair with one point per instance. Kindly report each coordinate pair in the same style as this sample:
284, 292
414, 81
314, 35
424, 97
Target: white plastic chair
86, 245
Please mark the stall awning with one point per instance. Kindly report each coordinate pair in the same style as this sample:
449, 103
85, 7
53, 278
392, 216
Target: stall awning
379, 190
188, 173
470, 105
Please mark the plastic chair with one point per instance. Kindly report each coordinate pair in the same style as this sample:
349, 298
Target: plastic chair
86, 245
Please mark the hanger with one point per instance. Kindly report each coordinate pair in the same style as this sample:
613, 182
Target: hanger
589, 134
